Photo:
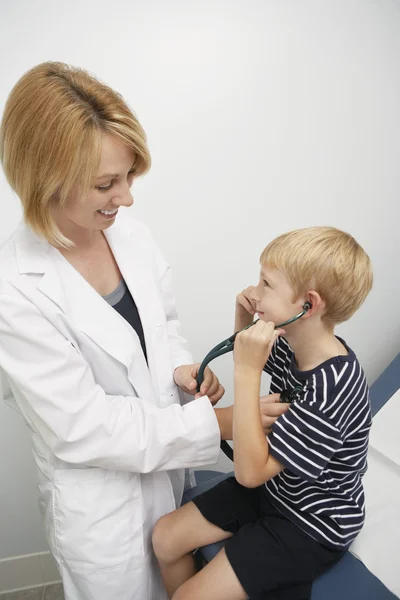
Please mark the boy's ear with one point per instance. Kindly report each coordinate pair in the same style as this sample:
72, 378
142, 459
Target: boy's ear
316, 303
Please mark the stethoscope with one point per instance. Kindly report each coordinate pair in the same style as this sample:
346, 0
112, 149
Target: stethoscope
228, 346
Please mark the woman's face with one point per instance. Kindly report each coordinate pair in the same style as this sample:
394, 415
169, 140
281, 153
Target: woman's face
111, 189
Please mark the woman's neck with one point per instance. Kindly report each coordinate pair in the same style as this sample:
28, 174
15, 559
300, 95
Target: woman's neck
83, 238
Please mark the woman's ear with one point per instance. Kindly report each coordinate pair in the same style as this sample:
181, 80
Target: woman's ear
313, 304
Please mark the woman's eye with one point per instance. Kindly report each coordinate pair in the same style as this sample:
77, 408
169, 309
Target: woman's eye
104, 188
266, 284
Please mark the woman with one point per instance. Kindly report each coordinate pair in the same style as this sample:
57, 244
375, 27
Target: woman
90, 349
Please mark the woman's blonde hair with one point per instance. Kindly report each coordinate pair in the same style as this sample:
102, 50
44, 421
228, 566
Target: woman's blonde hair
327, 260
50, 139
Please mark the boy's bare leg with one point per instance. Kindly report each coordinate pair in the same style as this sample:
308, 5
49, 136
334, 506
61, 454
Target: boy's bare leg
175, 536
217, 581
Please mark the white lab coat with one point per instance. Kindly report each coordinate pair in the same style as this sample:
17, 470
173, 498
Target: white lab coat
110, 437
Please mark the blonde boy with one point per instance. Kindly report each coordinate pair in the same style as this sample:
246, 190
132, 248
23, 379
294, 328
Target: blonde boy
296, 501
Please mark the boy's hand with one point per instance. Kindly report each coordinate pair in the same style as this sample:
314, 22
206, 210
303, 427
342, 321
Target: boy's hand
244, 303
185, 378
245, 308
253, 346
271, 409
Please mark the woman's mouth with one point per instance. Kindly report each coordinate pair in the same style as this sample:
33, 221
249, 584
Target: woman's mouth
108, 214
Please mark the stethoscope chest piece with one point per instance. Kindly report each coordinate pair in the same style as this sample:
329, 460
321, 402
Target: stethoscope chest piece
288, 396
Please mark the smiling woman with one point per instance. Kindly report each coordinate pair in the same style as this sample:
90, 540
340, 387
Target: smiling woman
51, 161
89, 336
81, 215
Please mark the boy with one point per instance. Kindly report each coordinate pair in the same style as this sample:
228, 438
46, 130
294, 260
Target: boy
296, 502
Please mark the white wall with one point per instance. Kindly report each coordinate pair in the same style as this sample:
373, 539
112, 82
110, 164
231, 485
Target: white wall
262, 116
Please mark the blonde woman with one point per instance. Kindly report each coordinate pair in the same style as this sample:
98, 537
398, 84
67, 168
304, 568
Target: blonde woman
90, 348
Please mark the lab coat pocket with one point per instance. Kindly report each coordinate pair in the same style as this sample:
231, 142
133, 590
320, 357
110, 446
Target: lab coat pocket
97, 517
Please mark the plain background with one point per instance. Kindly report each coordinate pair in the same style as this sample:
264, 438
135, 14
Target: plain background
262, 116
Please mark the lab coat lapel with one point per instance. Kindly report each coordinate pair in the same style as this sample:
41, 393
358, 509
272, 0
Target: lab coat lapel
91, 313
85, 308
134, 260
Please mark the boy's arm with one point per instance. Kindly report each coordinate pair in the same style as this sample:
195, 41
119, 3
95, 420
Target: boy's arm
253, 463
225, 419
244, 316
270, 410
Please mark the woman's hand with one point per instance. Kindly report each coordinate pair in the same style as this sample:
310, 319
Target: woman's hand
185, 378
271, 409
253, 346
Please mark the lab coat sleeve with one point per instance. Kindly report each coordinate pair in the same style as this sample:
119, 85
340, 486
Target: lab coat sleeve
56, 392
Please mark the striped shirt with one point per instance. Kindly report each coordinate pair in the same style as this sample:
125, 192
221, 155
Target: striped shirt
322, 441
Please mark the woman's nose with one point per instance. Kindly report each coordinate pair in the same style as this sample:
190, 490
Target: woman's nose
125, 198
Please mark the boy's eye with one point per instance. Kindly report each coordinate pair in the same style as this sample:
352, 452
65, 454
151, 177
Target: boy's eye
266, 284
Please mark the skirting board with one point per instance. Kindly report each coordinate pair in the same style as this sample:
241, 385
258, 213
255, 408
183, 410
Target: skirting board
30, 570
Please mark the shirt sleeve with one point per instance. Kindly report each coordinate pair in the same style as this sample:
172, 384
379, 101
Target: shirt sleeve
280, 357
270, 364
304, 440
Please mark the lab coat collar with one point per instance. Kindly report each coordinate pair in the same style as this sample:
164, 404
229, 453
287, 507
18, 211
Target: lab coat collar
32, 251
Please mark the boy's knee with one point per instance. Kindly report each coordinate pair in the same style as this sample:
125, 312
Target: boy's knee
165, 543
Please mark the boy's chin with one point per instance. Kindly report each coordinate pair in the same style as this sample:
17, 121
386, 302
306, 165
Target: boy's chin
267, 318
263, 317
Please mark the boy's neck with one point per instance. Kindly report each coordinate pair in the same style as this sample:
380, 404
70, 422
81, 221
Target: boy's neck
313, 345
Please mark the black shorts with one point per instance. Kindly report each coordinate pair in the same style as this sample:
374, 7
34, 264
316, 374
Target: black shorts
272, 558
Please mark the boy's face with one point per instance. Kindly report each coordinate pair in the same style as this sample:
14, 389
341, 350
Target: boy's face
273, 297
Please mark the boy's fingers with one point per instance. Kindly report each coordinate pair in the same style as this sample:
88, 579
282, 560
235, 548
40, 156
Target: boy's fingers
270, 398
274, 409
246, 304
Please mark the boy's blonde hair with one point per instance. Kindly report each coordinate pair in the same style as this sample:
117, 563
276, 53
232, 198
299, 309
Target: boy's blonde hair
50, 139
327, 260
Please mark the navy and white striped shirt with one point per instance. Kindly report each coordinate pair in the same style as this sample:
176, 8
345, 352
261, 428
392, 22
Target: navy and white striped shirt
322, 440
